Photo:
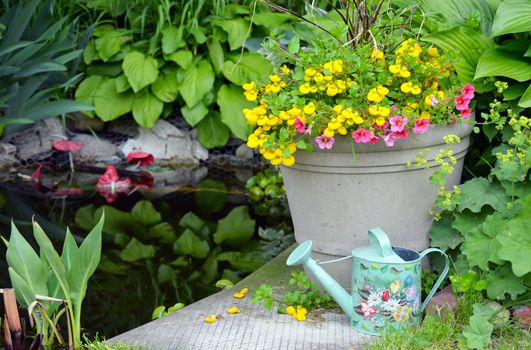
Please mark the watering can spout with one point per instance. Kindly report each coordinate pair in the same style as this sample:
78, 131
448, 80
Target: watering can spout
301, 255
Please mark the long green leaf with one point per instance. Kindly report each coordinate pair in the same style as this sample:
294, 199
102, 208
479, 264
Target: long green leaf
498, 62
513, 16
466, 45
70, 249
6, 49
55, 108
84, 263
21, 18
53, 259
23, 259
25, 294
41, 67
525, 101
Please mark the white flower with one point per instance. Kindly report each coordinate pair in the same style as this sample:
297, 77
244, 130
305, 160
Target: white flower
391, 304
374, 298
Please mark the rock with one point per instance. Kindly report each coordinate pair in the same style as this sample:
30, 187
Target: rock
243, 151
442, 302
124, 126
96, 151
168, 144
36, 143
7, 155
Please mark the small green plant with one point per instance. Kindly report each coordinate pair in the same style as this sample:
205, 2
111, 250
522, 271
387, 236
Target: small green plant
43, 282
101, 344
306, 295
266, 192
161, 311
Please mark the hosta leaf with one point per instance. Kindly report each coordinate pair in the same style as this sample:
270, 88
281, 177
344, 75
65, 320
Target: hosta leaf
166, 88
513, 16
478, 332
502, 282
135, 251
87, 90
236, 228
237, 29
216, 54
515, 242
466, 44
251, 67
109, 103
231, 104
195, 114
145, 213
182, 57
479, 192
198, 80
211, 132
190, 244
500, 62
147, 109
110, 43
525, 101
122, 84
164, 232
172, 39
140, 70
211, 195
191, 221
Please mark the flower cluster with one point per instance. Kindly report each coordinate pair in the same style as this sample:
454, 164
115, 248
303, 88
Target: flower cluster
397, 302
363, 92
298, 313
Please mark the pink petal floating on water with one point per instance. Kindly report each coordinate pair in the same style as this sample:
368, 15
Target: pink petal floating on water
67, 146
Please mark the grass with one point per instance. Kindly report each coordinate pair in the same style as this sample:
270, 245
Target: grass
98, 344
445, 333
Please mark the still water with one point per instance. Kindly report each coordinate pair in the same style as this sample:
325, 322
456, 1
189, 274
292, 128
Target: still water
160, 247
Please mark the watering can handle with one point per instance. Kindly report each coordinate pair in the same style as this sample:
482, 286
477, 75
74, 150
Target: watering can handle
442, 276
377, 237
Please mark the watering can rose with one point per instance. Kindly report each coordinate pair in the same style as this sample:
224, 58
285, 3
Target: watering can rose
370, 95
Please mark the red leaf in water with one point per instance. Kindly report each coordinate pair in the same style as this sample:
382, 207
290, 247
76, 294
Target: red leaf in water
67, 146
142, 158
145, 182
110, 175
109, 197
110, 184
36, 177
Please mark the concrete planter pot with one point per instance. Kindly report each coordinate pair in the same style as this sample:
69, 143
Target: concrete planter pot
334, 200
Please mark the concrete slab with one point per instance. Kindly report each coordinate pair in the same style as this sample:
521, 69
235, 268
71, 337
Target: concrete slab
253, 328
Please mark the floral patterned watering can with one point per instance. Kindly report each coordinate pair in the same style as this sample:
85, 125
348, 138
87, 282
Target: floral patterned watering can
386, 283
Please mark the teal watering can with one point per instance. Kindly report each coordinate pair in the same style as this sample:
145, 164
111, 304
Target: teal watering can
386, 283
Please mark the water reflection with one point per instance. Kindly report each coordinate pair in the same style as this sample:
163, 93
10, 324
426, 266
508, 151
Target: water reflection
163, 246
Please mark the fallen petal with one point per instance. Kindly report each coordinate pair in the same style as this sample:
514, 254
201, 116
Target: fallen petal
233, 310
67, 146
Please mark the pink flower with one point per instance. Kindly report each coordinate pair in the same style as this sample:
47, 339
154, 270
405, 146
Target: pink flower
394, 107
324, 141
367, 309
385, 126
468, 91
299, 125
461, 103
36, 176
433, 101
421, 126
362, 135
374, 139
465, 113
390, 139
141, 158
398, 123
402, 134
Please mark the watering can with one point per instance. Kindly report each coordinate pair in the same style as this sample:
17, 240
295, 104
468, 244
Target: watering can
386, 283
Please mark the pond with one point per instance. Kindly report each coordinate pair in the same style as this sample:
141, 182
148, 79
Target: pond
163, 246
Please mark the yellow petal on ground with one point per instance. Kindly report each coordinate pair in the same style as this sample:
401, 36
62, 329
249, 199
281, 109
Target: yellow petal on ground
233, 310
244, 291
238, 295
211, 319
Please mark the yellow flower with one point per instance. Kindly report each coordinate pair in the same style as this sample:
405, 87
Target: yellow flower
328, 132
274, 78
328, 78
249, 86
313, 89
373, 96
342, 130
404, 73
334, 124
425, 115
300, 317
373, 110
318, 78
394, 68
304, 89
310, 72
337, 66
288, 161
376, 55
233, 310
415, 90
271, 155
357, 119
275, 88
337, 109
332, 90
415, 51
292, 147
290, 310
341, 84
309, 108
211, 319
252, 141
380, 121
432, 51
286, 70
406, 87
382, 90
329, 66
251, 95
276, 161
384, 111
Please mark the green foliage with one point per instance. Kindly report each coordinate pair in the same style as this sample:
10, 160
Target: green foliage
306, 294
267, 193
161, 311
36, 53
159, 54
62, 277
